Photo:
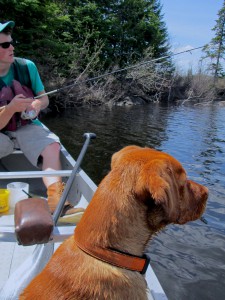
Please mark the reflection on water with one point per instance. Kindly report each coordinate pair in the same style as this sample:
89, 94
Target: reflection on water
189, 260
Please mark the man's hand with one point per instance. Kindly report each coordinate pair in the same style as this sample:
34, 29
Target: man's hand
19, 103
35, 106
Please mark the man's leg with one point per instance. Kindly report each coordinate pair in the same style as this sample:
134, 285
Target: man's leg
6, 145
36, 141
51, 161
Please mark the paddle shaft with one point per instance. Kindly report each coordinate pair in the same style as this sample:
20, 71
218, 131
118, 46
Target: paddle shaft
70, 181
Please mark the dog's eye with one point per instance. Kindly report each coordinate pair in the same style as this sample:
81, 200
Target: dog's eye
169, 170
182, 179
182, 183
181, 190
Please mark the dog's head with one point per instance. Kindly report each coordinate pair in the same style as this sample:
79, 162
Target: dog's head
161, 182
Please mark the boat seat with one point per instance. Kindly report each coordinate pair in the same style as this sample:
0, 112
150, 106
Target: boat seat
35, 174
32, 174
17, 151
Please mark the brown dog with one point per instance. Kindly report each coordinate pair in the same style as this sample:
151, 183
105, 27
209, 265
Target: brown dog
144, 191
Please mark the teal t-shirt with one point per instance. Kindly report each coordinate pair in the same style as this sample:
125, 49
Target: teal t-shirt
36, 83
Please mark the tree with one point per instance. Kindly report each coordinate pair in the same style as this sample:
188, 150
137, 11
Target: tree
55, 33
133, 26
215, 50
38, 24
126, 28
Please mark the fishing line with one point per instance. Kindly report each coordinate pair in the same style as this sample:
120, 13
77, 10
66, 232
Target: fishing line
114, 72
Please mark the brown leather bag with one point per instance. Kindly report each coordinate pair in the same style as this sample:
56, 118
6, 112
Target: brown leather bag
33, 221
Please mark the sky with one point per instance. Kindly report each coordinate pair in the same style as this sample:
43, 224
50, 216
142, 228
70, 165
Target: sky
189, 24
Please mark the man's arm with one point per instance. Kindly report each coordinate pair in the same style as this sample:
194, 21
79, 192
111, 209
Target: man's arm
18, 104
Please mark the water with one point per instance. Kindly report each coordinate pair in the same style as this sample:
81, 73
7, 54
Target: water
189, 260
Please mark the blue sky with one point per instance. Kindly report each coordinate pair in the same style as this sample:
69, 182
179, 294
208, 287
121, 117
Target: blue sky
189, 24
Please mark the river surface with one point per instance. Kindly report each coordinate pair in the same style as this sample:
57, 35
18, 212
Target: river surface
189, 260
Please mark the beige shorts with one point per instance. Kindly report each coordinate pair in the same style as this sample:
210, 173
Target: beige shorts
31, 139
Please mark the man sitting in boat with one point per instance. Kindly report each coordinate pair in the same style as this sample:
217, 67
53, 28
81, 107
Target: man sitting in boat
19, 83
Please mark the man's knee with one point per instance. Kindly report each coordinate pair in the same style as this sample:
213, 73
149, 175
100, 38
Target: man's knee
53, 149
7, 146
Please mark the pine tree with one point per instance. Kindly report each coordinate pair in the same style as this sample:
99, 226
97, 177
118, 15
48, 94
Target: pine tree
126, 30
215, 50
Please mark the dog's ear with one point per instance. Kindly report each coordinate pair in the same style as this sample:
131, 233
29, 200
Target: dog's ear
157, 178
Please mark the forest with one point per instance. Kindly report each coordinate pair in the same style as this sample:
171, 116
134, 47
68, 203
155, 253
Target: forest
111, 52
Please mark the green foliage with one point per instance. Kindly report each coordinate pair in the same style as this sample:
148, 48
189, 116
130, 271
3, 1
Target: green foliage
36, 22
215, 50
54, 33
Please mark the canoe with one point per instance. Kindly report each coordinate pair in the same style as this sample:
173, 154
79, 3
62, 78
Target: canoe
16, 168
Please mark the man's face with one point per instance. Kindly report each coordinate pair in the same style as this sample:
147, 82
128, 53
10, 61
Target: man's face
6, 55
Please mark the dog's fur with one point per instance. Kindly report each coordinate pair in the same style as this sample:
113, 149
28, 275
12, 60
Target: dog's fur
144, 191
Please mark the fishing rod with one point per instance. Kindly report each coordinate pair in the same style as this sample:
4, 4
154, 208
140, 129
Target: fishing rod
114, 72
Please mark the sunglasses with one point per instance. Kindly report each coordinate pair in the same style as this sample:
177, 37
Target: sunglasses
6, 45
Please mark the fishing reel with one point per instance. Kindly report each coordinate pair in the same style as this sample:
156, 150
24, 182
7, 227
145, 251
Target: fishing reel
28, 115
